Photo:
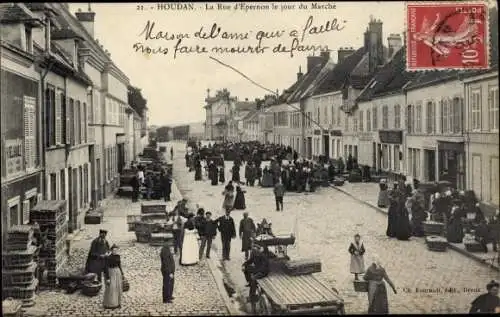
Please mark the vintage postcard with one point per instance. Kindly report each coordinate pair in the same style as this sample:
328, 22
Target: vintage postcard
233, 158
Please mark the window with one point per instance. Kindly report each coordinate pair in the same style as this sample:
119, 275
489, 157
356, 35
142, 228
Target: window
414, 162
84, 123
338, 116
64, 119
456, 117
58, 116
332, 118
397, 117
14, 157
409, 119
14, 212
385, 117
30, 145
80, 174
50, 112
475, 103
71, 121
368, 120
375, 119
325, 119
361, 121
494, 179
493, 109
418, 117
28, 40
430, 116
53, 186
78, 129
85, 183
354, 123
62, 183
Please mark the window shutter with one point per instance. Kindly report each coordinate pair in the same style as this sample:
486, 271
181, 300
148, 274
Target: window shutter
26, 211
441, 106
85, 122
29, 132
58, 120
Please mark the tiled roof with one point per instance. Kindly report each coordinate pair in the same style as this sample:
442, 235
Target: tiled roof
13, 12
336, 78
245, 105
305, 82
65, 33
391, 77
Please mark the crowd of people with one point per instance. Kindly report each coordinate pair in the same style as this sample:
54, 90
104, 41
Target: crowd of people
459, 211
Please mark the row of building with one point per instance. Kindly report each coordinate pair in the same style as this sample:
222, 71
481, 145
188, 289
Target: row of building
68, 127
424, 125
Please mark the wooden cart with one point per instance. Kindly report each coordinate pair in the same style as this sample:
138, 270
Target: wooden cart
282, 293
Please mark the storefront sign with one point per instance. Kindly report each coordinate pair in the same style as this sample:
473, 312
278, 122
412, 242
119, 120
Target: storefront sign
391, 136
317, 132
451, 146
336, 133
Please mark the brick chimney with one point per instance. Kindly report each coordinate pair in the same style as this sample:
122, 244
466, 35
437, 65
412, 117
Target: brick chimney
313, 61
395, 42
343, 53
299, 74
325, 54
86, 19
375, 44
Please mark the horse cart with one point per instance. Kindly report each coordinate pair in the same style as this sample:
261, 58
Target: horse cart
291, 287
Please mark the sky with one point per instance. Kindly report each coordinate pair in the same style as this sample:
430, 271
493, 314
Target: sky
176, 88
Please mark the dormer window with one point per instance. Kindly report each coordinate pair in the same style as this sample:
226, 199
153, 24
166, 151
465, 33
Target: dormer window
28, 40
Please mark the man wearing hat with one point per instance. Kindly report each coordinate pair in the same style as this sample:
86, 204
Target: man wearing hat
488, 302
97, 253
167, 270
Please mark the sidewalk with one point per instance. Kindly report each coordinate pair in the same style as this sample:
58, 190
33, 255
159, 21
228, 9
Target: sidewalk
367, 193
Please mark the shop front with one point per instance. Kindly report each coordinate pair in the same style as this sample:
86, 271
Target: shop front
451, 163
390, 153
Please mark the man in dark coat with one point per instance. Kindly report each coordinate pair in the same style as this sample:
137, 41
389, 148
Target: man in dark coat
208, 232
236, 173
256, 267
97, 253
166, 185
167, 270
213, 174
488, 302
247, 231
227, 231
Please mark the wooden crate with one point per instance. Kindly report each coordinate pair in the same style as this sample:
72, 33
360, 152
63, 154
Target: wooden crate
302, 267
19, 276
433, 228
152, 209
436, 243
24, 293
93, 218
15, 259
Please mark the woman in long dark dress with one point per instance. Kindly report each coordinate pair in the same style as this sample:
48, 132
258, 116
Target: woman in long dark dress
114, 280
222, 177
377, 291
239, 199
454, 229
236, 173
403, 226
197, 170
392, 215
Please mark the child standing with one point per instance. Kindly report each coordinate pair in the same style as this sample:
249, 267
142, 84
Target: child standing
357, 250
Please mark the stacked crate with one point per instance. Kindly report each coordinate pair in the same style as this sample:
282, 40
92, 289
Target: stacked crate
51, 217
19, 266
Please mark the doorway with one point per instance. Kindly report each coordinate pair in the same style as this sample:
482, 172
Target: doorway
326, 144
430, 162
374, 154
379, 156
121, 157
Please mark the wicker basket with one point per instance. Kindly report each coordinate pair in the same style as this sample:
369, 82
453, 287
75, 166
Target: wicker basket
360, 286
11, 307
91, 288
125, 285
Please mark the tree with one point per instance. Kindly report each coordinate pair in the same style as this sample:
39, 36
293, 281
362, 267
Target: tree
136, 100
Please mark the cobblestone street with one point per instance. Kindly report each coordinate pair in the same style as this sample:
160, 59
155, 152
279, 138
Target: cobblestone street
195, 289
325, 222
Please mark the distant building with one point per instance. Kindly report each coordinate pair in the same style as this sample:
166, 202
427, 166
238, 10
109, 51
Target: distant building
219, 112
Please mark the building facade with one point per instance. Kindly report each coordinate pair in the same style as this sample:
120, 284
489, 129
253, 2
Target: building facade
21, 112
250, 127
481, 120
219, 113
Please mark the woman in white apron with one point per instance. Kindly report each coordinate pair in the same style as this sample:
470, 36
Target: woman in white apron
189, 251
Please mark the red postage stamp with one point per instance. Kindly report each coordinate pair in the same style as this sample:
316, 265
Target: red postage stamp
447, 36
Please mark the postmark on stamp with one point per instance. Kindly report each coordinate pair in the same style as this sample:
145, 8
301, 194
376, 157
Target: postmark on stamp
447, 36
